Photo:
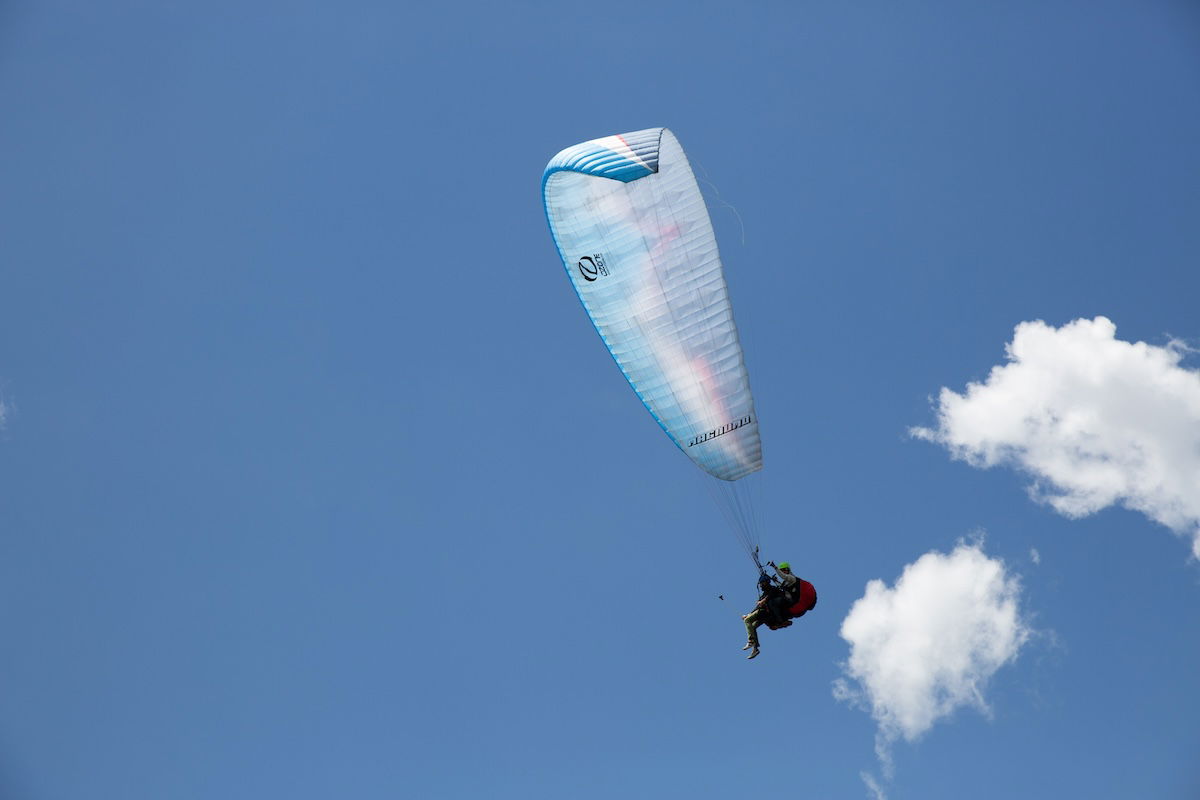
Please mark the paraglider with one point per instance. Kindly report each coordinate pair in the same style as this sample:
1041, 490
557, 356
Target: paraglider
637, 243
778, 605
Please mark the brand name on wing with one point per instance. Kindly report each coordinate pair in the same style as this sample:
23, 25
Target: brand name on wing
592, 267
721, 431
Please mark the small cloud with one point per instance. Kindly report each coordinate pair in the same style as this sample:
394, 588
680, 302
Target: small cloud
1035, 556
874, 788
1094, 420
926, 647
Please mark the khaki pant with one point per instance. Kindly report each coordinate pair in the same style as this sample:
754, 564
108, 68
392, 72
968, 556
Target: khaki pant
755, 618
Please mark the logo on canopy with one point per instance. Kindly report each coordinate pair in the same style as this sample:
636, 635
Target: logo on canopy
592, 267
721, 431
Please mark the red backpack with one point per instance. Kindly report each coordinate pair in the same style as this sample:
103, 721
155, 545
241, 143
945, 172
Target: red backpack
806, 598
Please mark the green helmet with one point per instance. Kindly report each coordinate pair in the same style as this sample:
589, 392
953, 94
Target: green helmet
784, 565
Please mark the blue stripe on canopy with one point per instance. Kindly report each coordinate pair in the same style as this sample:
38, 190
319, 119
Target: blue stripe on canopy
624, 158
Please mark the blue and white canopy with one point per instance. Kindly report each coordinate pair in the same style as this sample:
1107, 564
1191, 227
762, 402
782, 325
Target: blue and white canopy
635, 237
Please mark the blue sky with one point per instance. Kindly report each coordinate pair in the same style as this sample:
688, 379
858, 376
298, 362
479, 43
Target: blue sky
316, 481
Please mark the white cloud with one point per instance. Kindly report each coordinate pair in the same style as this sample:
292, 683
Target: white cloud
1035, 556
1095, 420
874, 789
928, 646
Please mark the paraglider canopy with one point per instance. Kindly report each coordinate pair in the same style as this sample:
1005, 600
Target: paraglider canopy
634, 235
